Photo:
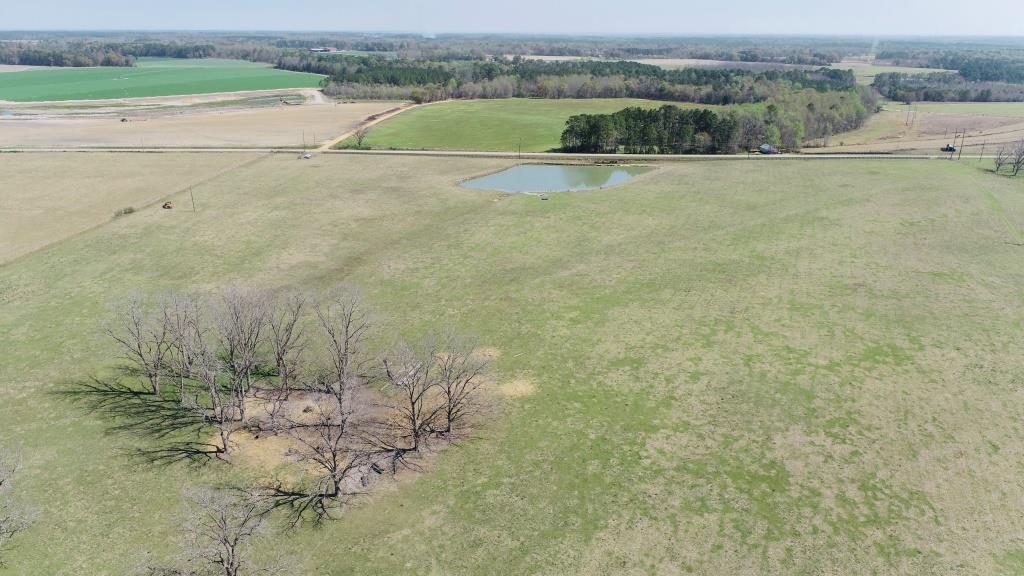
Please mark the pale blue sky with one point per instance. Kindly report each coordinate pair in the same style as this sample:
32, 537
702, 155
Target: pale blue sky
683, 17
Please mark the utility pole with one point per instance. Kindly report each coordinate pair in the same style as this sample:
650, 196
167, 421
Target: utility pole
193, 196
982, 155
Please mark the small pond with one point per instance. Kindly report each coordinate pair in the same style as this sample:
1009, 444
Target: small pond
555, 178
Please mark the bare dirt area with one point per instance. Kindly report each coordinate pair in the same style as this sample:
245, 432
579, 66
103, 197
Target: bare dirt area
220, 120
44, 201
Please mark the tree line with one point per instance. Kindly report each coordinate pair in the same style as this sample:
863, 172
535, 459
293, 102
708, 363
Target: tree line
666, 130
944, 87
77, 57
790, 120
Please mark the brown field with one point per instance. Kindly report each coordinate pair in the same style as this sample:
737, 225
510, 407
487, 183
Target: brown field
678, 63
889, 131
44, 202
204, 125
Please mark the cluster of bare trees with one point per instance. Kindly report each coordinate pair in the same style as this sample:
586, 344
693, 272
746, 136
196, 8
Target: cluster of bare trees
14, 518
1010, 155
302, 368
296, 367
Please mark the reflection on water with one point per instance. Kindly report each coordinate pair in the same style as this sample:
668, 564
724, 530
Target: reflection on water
555, 178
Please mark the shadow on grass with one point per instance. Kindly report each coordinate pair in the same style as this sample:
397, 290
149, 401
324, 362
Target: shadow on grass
141, 413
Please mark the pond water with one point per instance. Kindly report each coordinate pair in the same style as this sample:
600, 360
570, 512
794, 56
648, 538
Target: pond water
555, 178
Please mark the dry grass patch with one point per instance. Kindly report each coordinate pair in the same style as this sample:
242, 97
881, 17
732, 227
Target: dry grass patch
281, 125
47, 198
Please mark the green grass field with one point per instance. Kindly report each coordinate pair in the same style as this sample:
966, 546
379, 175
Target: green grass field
866, 73
150, 77
1007, 109
739, 367
490, 124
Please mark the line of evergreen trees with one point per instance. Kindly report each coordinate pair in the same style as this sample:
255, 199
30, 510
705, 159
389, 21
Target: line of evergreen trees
666, 130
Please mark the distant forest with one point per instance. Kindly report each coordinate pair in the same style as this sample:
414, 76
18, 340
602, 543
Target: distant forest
407, 66
944, 87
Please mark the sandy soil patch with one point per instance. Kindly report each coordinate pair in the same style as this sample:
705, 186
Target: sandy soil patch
517, 388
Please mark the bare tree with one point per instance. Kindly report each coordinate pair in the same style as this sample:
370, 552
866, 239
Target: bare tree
222, 406
13, 518
219, 528
241, 318
411, 377
361, 136
459, 379
188, 335
286, 336
345, 325
1018, 157
325, 440
145, 342
1002, 158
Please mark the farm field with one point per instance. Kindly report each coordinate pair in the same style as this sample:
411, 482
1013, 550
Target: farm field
492, 125
41, 205
150, 77
866, 72
730, 367
998, 109
933, 126
205, 125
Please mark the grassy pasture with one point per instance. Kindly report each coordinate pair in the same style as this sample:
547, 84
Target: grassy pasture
866, 73
737, 367
1001, 109
150, 77
496, 125
41, 205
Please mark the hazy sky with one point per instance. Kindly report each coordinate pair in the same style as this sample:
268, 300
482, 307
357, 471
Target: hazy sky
684, 17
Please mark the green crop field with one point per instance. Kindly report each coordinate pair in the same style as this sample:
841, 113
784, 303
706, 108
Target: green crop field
729, 367
150, 77
491, 124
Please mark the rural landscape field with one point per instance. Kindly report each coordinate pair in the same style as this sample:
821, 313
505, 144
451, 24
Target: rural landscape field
631, 301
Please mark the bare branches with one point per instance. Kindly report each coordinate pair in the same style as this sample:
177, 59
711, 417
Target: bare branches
460, 378
361, 135
144, 341
337, 429
1002, 158
344, 325
324, 439
286, 336
220, 526
13, 518
1017, 158
241, 318
411, 376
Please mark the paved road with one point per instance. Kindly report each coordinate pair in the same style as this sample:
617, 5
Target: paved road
537, 156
